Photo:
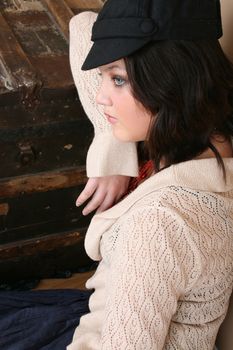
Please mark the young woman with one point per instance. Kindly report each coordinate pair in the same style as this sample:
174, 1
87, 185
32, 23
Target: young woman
165, 251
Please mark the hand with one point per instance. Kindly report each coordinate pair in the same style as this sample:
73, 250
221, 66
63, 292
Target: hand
105, 192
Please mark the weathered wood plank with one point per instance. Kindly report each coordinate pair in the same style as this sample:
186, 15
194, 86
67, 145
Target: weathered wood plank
83, 5
64, 252
77, 281
61, 13
13, 187
37, 33
34, 246
52, 149
54, 71
21, 5
47, 115
16, 70
40, 214
43, 42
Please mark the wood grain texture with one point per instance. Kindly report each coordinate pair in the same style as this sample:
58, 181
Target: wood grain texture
43, 257
41, 244
15, 67
81, 5
61, 13
77, 281
44, 137
42, 182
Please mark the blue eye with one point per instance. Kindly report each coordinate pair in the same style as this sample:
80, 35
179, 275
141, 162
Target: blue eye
118, 81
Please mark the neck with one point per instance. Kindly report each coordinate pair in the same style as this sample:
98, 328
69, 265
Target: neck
222, 145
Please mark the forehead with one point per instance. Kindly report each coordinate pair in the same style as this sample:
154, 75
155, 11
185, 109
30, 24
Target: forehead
119, 65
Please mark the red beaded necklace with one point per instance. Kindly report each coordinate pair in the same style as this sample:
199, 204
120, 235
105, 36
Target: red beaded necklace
145, 171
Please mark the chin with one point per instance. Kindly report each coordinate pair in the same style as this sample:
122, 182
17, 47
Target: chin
121, 136
126, 137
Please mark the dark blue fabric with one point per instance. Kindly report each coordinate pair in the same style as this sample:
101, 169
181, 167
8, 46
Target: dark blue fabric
40, 320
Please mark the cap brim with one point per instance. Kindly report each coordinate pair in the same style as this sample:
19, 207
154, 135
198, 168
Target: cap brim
109, 50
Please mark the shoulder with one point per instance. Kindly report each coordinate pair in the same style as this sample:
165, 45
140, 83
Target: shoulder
177, 214
169, 214
158, 212
168, 198
179, 200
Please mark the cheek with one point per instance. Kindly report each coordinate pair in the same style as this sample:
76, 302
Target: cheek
141, 122
134, 128
142, 127
134, 122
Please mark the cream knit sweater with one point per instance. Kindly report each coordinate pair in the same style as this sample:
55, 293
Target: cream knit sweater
166, 251
166, 263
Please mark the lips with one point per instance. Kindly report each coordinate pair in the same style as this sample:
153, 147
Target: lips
111, 119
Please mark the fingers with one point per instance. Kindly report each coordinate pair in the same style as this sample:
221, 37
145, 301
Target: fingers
113, 195
88, 191
107, 203
103, 193
95, 202
103, 198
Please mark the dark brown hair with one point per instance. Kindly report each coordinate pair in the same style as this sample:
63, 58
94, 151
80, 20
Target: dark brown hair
188, 85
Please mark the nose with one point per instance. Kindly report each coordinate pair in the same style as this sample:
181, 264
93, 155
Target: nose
102, 97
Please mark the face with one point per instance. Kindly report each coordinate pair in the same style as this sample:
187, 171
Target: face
129, 119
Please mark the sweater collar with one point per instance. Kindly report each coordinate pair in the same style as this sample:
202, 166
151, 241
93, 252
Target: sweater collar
200, 175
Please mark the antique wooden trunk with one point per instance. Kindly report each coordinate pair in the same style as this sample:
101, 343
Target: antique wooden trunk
44, 136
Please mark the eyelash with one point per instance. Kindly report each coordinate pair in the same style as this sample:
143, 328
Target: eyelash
115, 78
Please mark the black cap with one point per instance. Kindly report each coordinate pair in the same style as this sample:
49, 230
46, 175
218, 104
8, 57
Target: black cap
124, 26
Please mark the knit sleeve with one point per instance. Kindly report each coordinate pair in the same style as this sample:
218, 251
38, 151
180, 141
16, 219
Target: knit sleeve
106, 155
148, 276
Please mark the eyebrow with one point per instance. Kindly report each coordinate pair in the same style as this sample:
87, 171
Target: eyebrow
113, 67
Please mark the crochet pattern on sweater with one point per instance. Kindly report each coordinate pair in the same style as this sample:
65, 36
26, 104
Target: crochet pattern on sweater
171, 272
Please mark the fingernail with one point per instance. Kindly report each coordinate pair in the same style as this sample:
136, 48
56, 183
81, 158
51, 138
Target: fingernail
78, 204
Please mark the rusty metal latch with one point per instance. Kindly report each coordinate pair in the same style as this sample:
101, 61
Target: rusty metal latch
27, 154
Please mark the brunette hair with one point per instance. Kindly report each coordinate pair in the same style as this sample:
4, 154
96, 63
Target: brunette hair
188, 85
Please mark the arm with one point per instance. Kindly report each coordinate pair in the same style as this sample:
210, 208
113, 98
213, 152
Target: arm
106, 155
